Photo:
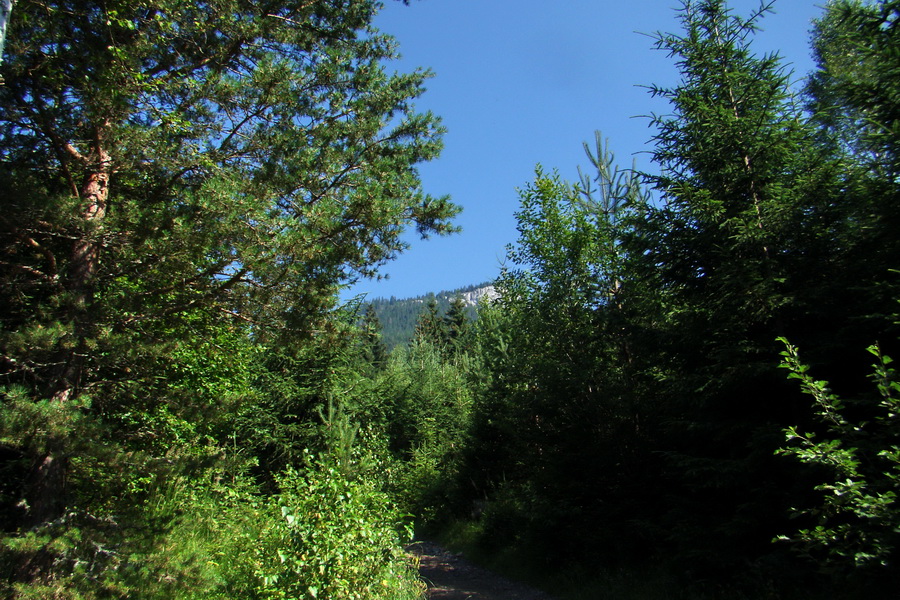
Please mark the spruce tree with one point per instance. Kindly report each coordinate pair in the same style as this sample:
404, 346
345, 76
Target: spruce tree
375, 351
736, 246
430, 327
854, 101
456, 323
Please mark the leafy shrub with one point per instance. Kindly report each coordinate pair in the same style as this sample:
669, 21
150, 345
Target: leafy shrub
335, 537
858, 520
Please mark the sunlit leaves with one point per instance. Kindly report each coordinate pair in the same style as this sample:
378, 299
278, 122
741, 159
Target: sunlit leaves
858, 519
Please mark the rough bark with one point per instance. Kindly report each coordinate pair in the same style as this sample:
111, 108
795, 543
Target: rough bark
45, 491
94, 195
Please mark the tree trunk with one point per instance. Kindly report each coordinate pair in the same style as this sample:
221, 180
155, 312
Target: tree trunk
85, 262
46, 486
5, 10
45, 489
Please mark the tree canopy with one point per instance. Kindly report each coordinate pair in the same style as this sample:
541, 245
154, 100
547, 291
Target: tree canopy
187, 412
238, 157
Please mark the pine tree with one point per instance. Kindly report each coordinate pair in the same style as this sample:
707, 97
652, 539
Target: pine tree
179, 168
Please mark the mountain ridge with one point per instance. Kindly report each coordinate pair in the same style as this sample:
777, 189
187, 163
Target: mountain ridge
398, 317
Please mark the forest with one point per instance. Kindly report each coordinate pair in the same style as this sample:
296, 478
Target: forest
683, 389
397, 318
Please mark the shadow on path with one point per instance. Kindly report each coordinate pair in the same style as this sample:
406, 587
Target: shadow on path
451, 577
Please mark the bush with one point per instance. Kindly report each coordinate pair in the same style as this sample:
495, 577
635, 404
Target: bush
335, 538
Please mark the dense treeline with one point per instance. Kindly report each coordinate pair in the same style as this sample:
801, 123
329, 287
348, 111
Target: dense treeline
185, 411
398, 316
633, 413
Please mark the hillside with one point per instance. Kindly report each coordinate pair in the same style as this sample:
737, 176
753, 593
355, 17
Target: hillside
398, 316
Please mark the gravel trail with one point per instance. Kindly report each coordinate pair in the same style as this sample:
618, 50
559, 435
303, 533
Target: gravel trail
450, 577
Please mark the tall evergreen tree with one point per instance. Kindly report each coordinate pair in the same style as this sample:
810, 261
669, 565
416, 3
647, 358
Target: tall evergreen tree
854, 94
730, 168
631, 388
175, 168
430, 326
456, 324
854, 100
375, 350
742, 249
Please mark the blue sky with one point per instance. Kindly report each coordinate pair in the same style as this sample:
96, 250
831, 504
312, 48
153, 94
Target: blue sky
525, 82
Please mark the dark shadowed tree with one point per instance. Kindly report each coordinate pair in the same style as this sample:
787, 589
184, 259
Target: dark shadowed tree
430, 327
374, 349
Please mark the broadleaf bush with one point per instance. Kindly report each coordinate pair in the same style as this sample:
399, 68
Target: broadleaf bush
335, 537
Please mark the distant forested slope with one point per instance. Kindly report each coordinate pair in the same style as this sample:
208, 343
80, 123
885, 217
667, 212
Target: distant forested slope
398, 316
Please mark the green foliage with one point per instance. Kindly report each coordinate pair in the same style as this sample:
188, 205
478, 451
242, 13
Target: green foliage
854, 100
556, 423
192, 183
447, 332
739, 249
456, 322
375, 350
202, 529
336, 539
858, 520
412, 418
424, 404
629, 397
184, 413
162, 538
309, 126
430, 327
734, 179
854, 93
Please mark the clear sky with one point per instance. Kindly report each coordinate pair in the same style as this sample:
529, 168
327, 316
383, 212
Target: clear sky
525, 82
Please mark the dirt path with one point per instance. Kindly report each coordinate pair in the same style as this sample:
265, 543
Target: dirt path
450, 577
